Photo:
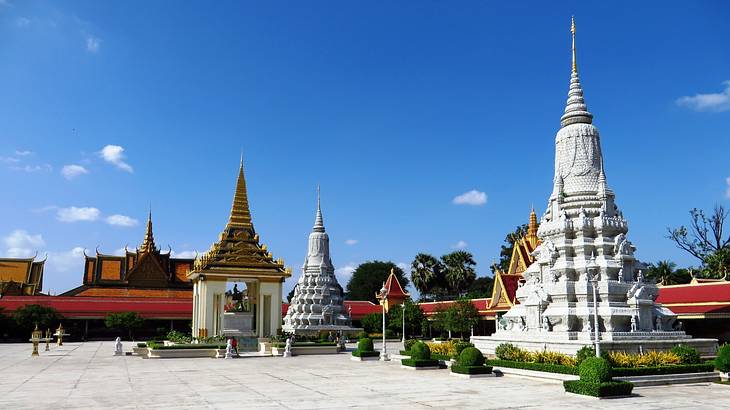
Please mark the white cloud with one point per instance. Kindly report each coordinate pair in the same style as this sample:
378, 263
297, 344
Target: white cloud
346, 270
727, 190
32, 168
708, 102
22, 22
114, 154
351, 242
472, 197
75, 214
10, 160
185, 254
45, 209
459, 245
404, 267
23, 153
121, 220
21, 244
66, 261
93, 44
73, 170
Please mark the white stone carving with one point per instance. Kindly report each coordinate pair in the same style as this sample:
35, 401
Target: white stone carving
118, 350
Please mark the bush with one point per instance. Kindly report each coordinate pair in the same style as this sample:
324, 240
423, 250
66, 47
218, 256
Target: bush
26, 318
409, 343
549, 357
686, 354
649, 359
372, 322
605, 389
504, 351
365, 345
584, 353
595, 370
420, 351
158, 346
471, 356
361, 335
722, 361
178, 337
141, 345
459, 347
455, 368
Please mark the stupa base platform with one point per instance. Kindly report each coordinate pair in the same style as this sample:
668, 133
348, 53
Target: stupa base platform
571, 342
322, 330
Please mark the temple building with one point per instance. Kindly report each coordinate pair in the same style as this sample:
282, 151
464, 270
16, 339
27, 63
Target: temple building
585, 281
21, 276
238, 256
317, 304
147, 272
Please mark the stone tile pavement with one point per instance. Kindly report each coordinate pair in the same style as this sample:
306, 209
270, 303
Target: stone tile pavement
88, 376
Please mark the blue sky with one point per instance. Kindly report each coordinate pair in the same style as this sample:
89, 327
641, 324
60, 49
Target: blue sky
395, 108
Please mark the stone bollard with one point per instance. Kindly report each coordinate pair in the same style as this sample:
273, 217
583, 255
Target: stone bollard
118, 351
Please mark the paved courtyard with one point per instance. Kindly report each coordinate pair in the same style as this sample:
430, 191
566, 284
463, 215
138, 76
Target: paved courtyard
87, 375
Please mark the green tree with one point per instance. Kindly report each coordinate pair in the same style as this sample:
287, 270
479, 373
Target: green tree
28, 316
481, 288
460, 273
705, 240
368, 278
372, 323
665, 273
124, 321
463, 315
428, 275
414, 318
505, 253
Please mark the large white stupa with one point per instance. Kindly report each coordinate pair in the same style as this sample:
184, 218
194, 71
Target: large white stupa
583, 241
317, 306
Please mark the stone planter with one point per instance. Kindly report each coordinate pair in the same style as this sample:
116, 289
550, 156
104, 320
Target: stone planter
725, 376
140, 351
419, 367
472, 376
265, 348
304, 350
185, 353
364, 359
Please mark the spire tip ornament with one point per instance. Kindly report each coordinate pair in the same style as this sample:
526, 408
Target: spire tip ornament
572, 32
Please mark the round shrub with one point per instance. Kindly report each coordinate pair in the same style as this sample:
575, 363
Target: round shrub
595, 370
459, 347
365, 344
471, 356
420, 351
409, 343
686, 354
584, 353
722, 361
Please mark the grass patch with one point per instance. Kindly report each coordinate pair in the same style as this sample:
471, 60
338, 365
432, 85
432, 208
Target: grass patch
605, 389
455, 368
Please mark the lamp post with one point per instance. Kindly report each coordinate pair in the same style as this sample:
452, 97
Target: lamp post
35, 337
383, 297
403, 322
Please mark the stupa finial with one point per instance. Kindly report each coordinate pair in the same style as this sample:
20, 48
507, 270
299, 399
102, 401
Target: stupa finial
148, 244
318, 221
572, 31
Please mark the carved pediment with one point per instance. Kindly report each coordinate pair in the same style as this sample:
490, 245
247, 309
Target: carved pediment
147, 272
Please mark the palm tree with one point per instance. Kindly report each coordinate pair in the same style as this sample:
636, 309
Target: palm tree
425, 271
460, 273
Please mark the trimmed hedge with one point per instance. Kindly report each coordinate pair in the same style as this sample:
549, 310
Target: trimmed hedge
595, 370
420, 351
540, 367
605, 389
455, 368
440, 357
404, 353
471, 356
420, 362
365, 345
155, 346
141, 344
669, 369
358, 353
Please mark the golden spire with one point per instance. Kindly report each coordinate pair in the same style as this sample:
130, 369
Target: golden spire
148, 245
532, 227
240, 214
572, 31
